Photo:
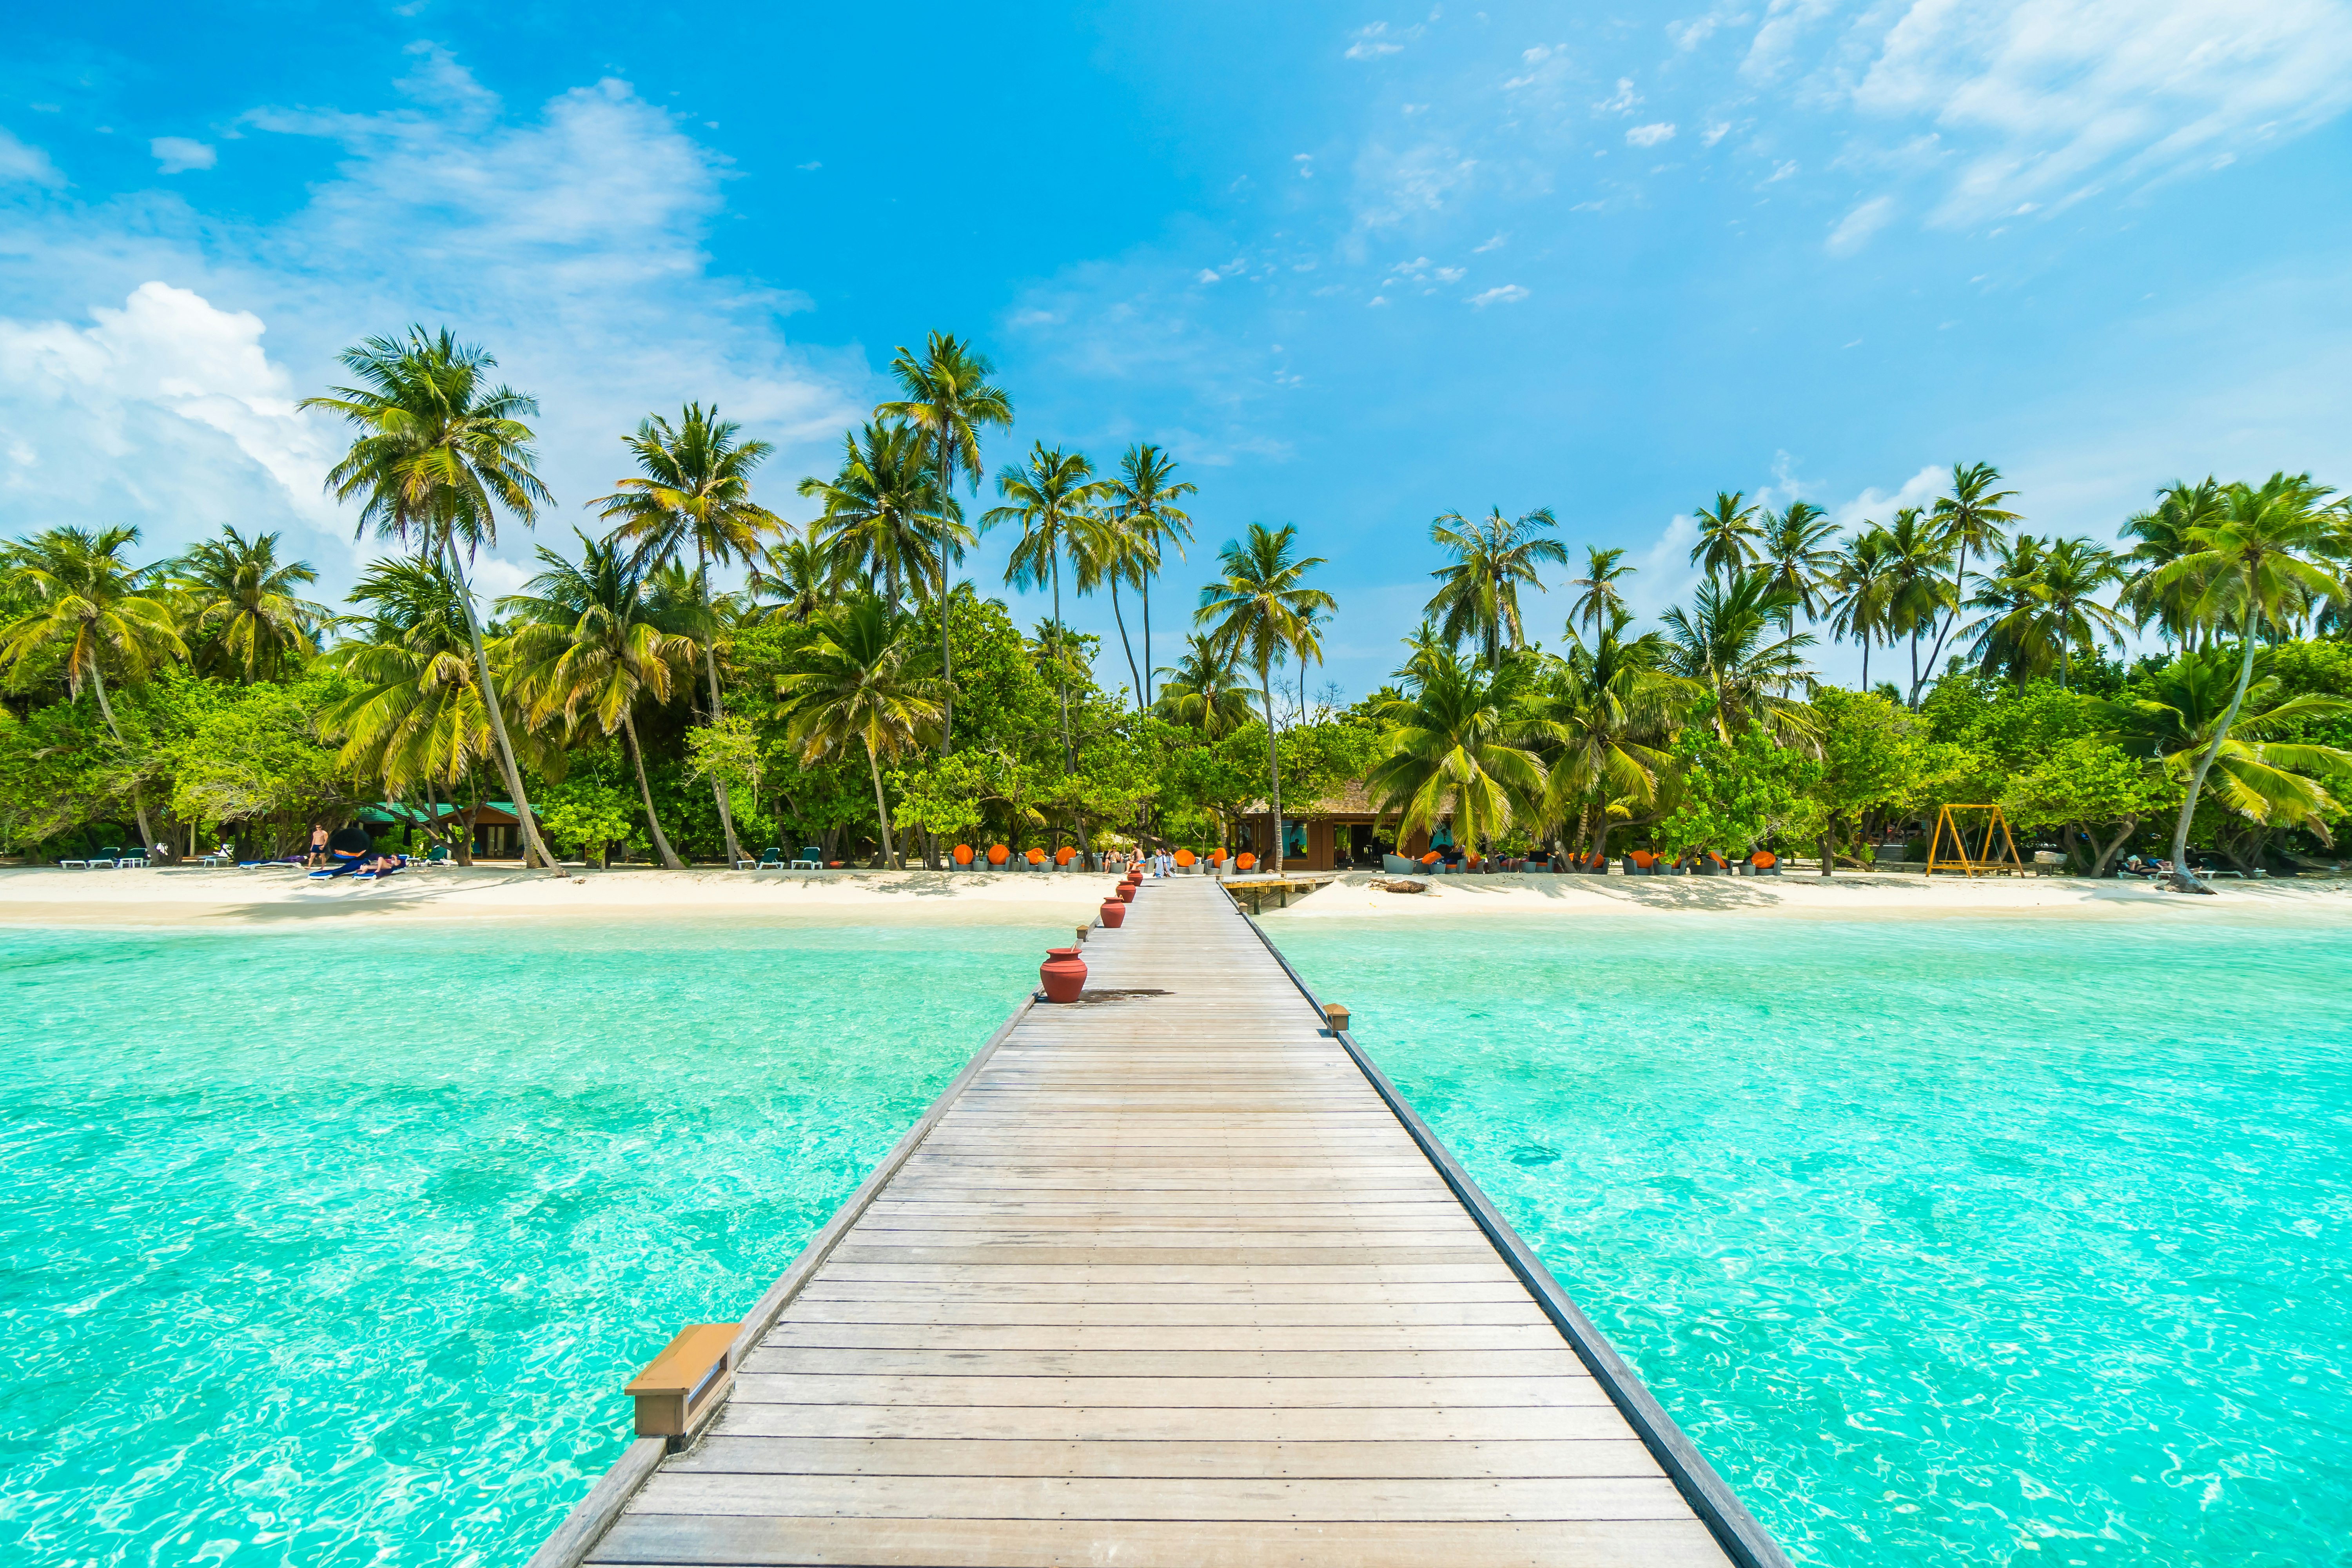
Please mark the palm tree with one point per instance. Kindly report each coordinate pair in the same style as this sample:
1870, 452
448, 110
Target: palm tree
1205, 689
1259, 610
415, 718
2162, 534
1970, 518
1796, 552
2181, 719
2040, 606
1051, 500
1145, 495
1611, 710
1917, 591
1454, 747
591, 641
2251, 560
1309, 650
439, 453
800, 573
857, 688
89, 605
885, 511
948, 397
242, 599
694, 487
1479, 594
1727, 535
1600, 595
1723, 642
1862, 584
1105, 549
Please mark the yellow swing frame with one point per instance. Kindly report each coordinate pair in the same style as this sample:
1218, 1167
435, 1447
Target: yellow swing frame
1983, 858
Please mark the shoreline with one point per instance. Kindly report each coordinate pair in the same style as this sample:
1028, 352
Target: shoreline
187, 896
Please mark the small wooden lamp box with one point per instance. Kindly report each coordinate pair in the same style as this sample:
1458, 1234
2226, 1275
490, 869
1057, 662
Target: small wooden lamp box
684, 1383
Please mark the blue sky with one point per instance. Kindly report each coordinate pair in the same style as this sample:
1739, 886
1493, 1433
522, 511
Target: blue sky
1356, 267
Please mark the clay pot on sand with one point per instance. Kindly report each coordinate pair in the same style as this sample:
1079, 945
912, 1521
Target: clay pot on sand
1063, 974
1113, 912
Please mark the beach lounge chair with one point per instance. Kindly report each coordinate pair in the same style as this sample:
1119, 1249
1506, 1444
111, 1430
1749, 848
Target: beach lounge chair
377, 876
809, 858
131, 857
81, 864
772, 859
108, 858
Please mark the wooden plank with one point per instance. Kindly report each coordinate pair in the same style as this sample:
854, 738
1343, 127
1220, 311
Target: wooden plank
1558, 1361
1223, 1460
1164, 1423
1348, 1310
676, 1491
798, 1333
1301, 1393
724, 1541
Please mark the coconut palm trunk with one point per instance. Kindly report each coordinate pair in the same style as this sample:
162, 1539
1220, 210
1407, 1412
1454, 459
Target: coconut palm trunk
710, 664
1273, 760
138, 799
2184, 879
532, 844
1061, 667
1149, 698
1133, 673
645, 793
881, 808
948, 464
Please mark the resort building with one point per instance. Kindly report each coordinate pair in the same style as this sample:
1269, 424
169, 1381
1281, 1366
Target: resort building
1337, 833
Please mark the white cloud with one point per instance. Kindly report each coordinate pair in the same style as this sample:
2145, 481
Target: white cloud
1370, 42
1852, 231
1625, 101
165, 412
1874, 505
1508, 294
1650, 135
567, 241
1786, 169
2064, 96
1494, 244
1715, 131
21, 163
178, 154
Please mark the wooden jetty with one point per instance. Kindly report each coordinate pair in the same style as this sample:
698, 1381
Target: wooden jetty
1254, 892
1169, 1277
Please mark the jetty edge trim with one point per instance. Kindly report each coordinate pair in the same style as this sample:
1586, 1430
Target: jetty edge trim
1740, 1534
593, 1514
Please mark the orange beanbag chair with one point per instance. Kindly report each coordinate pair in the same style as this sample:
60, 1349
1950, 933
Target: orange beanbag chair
1184, 858
963, 854
1064, 855
1036, 857
998, 854
1244, 859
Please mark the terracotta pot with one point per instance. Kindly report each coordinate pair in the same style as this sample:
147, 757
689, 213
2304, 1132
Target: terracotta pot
1064, 974
1126, 892
1113, 912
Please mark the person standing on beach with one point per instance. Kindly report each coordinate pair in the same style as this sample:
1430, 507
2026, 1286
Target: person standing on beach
318, 844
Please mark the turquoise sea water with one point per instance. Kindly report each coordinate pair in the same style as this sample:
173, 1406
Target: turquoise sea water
1961, 1241
332, 1247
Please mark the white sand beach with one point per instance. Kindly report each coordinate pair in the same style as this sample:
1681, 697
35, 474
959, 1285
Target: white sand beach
179, 895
